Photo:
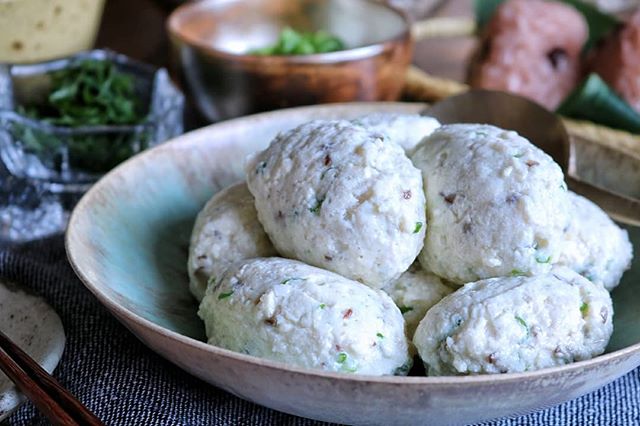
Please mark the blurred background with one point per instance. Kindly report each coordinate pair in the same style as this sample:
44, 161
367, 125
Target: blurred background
137, 29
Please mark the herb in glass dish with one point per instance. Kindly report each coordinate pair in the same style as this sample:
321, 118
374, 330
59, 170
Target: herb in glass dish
292, 42
90, 93
93, 93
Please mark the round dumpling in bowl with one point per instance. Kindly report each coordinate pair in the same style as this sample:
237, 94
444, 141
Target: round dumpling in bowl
338, 196
415, 292
595, 247
516, 324
496, 204
287, 311
407, 130
226, 230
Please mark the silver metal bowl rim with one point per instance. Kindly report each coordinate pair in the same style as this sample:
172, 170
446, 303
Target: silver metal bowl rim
352, 54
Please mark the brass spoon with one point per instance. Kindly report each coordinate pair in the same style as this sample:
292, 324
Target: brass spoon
544, 129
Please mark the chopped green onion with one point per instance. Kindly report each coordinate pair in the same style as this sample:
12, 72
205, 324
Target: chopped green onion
316, 209
522, 323
417, 228
288, 280
292, 42
405, 309
322, 306
225, 295
380, 335
584, 309
517, 273
342, 357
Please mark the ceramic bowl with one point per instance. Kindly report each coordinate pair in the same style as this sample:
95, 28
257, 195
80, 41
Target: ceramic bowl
128, 241
212, 41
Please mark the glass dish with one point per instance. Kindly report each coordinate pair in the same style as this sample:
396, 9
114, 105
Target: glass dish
42, 162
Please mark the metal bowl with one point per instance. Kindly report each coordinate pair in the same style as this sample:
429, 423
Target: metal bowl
212, 40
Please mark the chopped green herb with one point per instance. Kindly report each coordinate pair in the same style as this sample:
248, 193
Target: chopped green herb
316, 208
288, 280
342, 357
405, 309
292, 42
543, 259
322, 306
88, 93
519, 155
522, 323
380, 335
584, 309
517, 273
417, 228
404, 369
225, 295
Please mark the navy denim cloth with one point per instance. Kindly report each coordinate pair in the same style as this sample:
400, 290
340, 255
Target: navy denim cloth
125, 383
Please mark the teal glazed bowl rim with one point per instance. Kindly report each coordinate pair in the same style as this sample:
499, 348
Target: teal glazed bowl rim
74, 255
174, 28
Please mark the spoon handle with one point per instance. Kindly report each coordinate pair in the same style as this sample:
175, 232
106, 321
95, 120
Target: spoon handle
620, 208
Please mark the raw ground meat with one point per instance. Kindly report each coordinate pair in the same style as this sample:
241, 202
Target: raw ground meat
531, 48
617, 61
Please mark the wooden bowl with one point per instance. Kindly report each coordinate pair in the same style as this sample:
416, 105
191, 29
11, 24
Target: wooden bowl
212, 39
128, 241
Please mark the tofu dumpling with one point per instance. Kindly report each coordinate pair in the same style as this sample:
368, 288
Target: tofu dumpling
338, 196
496, 204
407, 130
226, 230
595, 246
415, 292
516, 324
287, 311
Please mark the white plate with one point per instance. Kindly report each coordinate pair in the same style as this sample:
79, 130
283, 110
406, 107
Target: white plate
35, 327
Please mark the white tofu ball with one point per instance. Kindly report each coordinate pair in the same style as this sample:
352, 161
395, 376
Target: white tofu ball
496, 204
415, 292
595, 246
287, 311
226, 230
516, 324
337, 196
407, 130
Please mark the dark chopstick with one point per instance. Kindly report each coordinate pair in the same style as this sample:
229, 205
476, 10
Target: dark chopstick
54, 401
